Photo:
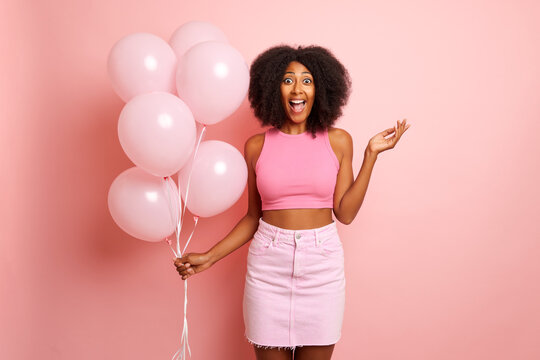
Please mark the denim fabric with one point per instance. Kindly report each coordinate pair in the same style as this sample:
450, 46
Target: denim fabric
294, 291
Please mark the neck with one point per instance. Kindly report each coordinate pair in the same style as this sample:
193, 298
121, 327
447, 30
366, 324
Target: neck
293, 128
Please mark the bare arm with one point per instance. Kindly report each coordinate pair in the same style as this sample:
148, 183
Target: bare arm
247, 226
349, 194
193, 263
354, 197
239, 235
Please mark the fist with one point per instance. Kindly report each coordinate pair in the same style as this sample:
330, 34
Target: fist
191, 264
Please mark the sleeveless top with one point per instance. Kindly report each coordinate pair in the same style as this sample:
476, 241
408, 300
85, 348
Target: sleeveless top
296, 171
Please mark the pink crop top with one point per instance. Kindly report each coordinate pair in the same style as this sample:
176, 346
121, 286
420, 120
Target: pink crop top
296, 171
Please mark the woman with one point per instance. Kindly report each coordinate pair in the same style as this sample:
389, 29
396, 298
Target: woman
299, 172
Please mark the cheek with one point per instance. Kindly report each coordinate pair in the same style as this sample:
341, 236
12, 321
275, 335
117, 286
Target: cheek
312, 97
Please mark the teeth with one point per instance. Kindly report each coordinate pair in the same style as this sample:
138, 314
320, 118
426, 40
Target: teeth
297, 101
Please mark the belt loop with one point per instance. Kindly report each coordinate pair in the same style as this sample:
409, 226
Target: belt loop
274, 240
316, 239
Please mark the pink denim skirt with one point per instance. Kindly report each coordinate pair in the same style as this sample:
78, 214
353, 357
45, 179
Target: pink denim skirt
294, 291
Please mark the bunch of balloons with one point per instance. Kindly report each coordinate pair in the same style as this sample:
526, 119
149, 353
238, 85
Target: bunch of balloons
197, 77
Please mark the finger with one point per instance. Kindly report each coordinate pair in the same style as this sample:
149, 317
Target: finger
186, 272
180, 261
387, 131
400, 129
183, 272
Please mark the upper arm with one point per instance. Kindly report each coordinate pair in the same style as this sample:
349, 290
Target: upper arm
342, 144
252, 150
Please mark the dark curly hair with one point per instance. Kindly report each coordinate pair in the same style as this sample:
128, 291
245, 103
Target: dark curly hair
331, 79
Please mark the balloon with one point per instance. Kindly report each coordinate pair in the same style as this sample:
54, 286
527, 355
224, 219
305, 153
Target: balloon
218, 179
140, 63
192, 33
212, 79
143, 206
158, 133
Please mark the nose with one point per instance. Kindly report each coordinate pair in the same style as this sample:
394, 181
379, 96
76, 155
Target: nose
297, 87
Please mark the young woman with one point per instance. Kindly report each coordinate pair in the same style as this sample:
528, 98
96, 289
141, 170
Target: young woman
299, 172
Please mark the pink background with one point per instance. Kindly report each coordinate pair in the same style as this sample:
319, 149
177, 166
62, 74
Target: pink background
441, 261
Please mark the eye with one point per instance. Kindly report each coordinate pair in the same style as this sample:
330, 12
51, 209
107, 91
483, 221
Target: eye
285, 81
307, 81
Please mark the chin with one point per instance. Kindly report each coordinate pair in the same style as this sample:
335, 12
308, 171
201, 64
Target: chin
297, 119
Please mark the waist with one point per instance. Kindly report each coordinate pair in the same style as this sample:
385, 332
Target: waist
298, 219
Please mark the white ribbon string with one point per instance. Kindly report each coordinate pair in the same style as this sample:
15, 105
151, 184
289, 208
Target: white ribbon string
172, 212
181, 353
189, 179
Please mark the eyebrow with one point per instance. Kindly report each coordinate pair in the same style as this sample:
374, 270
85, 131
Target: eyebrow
305, 72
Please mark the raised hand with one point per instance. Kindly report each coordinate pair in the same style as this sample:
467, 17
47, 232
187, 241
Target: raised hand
378, 143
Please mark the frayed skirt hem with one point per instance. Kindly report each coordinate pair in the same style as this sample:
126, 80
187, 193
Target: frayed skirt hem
274, 346
271, 347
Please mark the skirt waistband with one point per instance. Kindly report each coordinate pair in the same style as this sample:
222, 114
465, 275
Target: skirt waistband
322, 233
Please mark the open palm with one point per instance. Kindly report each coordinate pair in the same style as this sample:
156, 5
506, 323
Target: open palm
379, 143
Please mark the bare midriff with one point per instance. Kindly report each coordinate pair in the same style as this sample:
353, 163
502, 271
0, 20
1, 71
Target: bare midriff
298, 219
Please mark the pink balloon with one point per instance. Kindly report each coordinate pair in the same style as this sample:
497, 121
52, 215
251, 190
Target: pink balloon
140, 63
192, 33
218, 179
213, 80
144, 205
158, 133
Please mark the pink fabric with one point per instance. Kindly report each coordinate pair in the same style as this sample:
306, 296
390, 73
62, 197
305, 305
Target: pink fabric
296, 171
294, 291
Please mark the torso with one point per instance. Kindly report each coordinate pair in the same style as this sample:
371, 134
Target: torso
298, 219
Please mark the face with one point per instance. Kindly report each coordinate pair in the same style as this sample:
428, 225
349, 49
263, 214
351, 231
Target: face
297, 92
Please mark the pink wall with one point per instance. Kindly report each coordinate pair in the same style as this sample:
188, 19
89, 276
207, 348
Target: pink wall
441, 261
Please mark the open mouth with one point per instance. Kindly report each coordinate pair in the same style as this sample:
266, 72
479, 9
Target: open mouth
297, 106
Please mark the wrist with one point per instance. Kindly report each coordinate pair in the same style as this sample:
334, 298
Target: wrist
211, 256
368, 153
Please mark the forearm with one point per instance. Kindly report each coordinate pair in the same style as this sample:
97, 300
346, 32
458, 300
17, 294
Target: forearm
354, 197
239, 235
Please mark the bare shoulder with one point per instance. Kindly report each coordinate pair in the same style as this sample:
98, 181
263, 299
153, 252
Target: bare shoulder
340, 140
339, 135
253, 146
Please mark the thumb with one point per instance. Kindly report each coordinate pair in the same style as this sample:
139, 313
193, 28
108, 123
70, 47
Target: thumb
182, 260
387, 131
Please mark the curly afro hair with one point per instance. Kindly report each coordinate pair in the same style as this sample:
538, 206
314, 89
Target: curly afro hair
331, 79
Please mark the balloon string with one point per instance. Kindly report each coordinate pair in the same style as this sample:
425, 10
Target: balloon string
181, 353
172, 211
196, 219
170, 245
190, 172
